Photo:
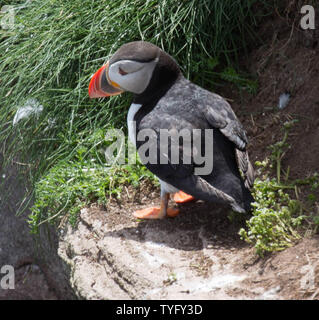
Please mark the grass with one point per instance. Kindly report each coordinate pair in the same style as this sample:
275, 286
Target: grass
48, 58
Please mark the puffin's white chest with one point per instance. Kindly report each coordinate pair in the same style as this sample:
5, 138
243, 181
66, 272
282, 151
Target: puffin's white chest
130, 121
165, 187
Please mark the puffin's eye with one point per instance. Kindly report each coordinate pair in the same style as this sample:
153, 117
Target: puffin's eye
122, 72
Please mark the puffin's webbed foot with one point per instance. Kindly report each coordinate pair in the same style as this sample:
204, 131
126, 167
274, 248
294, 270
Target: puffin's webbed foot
157, 213
182, 197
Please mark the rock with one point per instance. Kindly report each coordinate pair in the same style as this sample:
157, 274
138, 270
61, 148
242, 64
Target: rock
146, 260
197, 255
39, 271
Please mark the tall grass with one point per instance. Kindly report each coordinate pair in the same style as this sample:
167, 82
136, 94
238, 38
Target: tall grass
57, 45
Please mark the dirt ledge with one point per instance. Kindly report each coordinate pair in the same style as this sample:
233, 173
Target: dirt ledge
197, 255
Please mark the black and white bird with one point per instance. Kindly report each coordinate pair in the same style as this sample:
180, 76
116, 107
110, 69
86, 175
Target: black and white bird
165, 100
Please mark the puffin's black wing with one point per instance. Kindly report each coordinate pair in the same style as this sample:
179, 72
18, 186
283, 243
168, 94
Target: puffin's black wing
182, 176
220, 115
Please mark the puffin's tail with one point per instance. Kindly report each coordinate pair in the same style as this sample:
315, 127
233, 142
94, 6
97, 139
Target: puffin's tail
248, 199
243, 203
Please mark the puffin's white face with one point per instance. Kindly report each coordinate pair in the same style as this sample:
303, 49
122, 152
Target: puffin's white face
132, 76
131, 69
122, 75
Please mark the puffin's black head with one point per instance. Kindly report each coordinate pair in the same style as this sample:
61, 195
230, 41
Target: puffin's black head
139, 67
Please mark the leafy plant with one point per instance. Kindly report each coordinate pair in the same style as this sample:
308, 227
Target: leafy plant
276, 215
71, 185
279, 149
275, 218
242, 82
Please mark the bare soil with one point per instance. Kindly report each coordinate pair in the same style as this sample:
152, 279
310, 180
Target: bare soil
286, 65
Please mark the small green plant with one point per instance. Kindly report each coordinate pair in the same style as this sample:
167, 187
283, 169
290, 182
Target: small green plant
276, 213
229, 74
275, 218
69, 186
279, 149
216, 71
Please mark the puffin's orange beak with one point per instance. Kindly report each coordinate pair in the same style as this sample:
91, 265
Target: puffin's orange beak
100, 86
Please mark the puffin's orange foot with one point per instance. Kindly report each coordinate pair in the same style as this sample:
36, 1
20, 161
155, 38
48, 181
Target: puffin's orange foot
149, 213
154, 213
182, 197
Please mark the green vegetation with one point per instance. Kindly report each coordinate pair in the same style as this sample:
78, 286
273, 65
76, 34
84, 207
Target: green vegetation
70, 186
277, 214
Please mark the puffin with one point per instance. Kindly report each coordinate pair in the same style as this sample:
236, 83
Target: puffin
165, 104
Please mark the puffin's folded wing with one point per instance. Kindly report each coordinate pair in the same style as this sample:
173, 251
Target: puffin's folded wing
221, 116
169, 168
